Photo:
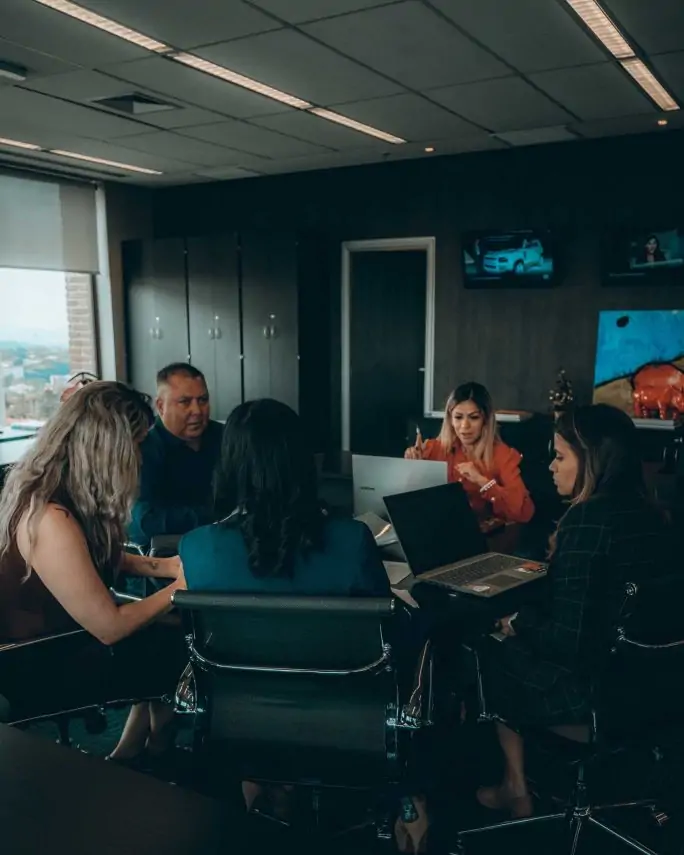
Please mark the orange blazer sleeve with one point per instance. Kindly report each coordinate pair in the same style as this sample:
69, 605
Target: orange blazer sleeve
509, 498
433, 450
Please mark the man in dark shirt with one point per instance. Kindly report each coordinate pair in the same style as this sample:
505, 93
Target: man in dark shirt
178, 458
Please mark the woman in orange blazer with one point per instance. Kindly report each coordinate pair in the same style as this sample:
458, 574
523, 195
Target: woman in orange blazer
488, 468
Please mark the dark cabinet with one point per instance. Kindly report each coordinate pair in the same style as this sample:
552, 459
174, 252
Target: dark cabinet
214, 318
229, 304
269, 317
156, 308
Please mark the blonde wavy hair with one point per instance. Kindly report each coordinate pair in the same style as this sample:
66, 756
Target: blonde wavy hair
478, 394
85, 458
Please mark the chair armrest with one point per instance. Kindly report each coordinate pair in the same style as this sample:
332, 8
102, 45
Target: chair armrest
165, 545
135, 548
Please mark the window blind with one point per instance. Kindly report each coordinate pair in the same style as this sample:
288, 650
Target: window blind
47, 224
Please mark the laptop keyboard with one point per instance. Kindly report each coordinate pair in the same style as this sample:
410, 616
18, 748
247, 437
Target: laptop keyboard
488, 565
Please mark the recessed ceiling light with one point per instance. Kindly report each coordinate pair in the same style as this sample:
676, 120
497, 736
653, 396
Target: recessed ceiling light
429, 149
356, 126
18, 144
602, 27
106, 24
662, 122
650, 84
12, 71
238, 79
103, 162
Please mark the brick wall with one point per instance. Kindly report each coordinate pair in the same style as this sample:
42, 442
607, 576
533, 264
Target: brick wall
81, 317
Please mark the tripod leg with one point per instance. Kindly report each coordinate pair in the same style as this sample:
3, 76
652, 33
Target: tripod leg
576, 824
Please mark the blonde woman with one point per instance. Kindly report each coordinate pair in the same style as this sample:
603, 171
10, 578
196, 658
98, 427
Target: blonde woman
63, 516
488, 468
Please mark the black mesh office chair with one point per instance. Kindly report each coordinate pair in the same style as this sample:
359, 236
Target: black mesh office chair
638, 709
299, 690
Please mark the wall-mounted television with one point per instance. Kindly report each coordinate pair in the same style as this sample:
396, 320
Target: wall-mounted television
645, 256
522, 258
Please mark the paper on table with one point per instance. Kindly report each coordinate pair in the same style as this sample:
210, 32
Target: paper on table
396, 571
404, 595
382, 531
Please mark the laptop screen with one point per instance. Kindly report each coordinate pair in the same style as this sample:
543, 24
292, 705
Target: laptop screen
435, 527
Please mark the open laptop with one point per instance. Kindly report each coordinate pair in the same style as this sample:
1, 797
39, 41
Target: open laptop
443, 544
377, 477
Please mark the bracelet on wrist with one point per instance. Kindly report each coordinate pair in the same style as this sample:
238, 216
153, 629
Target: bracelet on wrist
488, 486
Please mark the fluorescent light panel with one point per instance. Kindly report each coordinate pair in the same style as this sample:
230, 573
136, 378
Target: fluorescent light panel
602, 27
356, 126
18, 144
640, 72
105, 24
226, 74
127, 166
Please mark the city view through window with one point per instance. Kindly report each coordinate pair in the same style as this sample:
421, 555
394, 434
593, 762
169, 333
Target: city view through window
47, 334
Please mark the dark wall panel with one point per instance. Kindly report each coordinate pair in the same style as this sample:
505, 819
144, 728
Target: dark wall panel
514, 340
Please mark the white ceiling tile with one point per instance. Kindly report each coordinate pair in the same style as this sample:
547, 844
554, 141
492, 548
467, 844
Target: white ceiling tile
194, 87
185, 25
656, 25
169, 144
532, 35
61, 36
504, 104
670, 67
411, 44
300, 66
594, 91
37, 64
251, 139
297, 11
40, 111
305, 126
408, 116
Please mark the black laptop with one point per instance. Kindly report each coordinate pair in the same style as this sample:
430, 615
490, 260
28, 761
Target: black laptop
443, 544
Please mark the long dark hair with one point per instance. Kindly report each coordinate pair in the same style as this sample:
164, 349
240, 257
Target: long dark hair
266, 484
605, 442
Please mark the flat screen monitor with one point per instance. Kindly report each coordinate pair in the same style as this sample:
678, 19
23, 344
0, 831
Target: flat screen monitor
643, 256
518, 259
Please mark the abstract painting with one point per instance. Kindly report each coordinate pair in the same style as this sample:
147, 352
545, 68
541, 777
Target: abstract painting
640, 362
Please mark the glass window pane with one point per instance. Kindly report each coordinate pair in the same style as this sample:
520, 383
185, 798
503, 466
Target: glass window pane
47, 334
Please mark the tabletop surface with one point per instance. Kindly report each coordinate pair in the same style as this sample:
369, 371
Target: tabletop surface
59, 800
13, 449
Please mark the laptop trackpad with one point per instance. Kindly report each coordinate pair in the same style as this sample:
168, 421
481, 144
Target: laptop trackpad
504, 580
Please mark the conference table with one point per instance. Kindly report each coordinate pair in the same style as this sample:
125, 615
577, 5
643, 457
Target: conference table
58, 800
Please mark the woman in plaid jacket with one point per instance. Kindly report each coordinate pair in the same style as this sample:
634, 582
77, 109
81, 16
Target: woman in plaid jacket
610, 535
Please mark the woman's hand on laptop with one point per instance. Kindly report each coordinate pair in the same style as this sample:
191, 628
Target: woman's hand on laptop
470, 472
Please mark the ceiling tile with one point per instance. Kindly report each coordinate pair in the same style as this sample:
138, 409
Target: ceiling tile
37, 64
89, 86
249, 138
670, 67
408, 116
181, 148
627, 125
538, 136
58, 35
505, 104
656, 25
185, 25
306, 126
409, 43
594, 91
532, 35
40, 111
296, 64
176, 81
297, 11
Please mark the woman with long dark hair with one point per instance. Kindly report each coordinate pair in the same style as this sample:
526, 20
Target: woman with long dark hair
611, 534
274, 535
488, 468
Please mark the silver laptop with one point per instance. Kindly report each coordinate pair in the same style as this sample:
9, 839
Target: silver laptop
376, 477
